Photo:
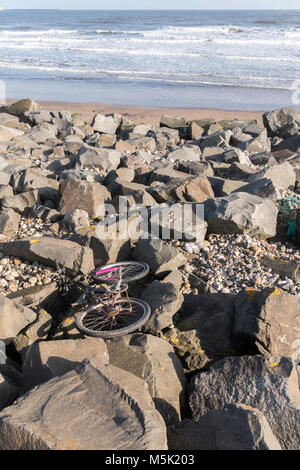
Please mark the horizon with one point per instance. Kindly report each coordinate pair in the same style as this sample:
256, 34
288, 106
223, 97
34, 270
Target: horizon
152, 9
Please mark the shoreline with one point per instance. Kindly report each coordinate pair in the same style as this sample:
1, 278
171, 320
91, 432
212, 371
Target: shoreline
151, 114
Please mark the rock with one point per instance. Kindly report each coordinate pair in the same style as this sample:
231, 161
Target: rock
263, 158
270, 385
103, 159
219, 139
241, 213
146, 144
31, 179
223, 187
195, 132
284, 268
235, 123
106, 140
21, 107
262, 188
153, 360
68, 412
5, 191
165, 299
236, 427
8, 133
292, 144
134, 192
196, 189
8, 390
282, 175
75, 220
188, 348
236, 155
45, 360
211, 316
107, 243
172, 122
282, 122
106, 124
254, 130
180, 221
185, 153
85, 196
268, 319
8, 120
13, 318
257, 144
22, 201
159, 255
196, 168
45, 213
35, 332
124, 147
167, 175
239, 171
9, 222
2, 352
48, 250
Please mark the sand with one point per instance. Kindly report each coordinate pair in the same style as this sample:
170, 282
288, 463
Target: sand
147, 115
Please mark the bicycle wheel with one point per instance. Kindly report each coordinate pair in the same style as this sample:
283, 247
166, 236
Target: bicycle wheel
115, 319
126, 271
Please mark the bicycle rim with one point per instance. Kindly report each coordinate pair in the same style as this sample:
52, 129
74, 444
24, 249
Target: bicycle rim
131, 315
125, 271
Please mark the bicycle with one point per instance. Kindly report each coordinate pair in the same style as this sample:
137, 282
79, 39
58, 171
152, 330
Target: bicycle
103, 312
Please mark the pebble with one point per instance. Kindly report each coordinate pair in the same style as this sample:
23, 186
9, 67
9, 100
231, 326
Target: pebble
232, 262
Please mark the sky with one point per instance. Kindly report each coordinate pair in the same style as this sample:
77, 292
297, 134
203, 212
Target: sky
154, 4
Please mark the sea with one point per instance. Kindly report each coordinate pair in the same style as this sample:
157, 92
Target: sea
235, 60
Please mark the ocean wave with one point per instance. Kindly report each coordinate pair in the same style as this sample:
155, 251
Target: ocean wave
165, 77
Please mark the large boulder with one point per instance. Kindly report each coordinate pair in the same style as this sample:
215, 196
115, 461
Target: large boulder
185, 153
153, 359
210, 316
241, 213
47, 359
8, 133
86, 196
8, 390
9, 222
270, 385
270, 320
282, 175
51, 251
89, 408
21, 107
179, 221
235, 427
13, 318
160, 256
165, 299
21, 202
101, 158
282, 122
106, 124
32, 179
263, 188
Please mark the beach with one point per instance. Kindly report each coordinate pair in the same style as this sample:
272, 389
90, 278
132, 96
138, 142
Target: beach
147, 115
195, 59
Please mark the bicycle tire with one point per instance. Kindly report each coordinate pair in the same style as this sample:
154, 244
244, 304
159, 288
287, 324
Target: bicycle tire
143, 267
117, 332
